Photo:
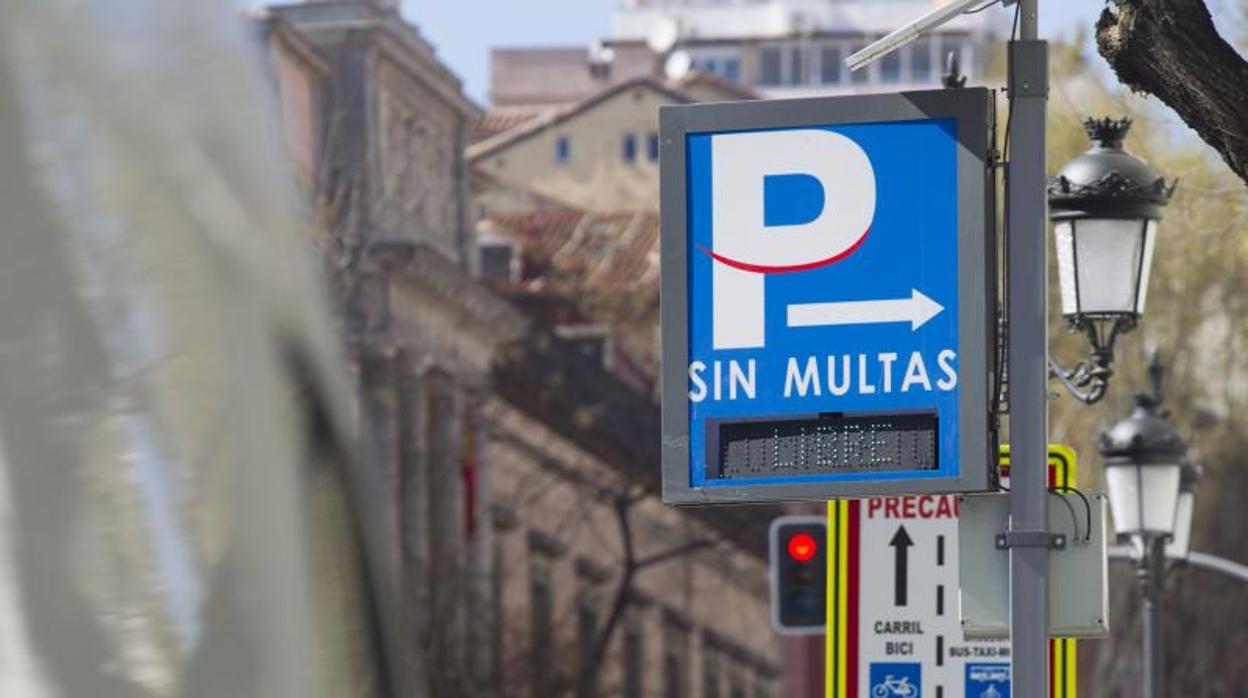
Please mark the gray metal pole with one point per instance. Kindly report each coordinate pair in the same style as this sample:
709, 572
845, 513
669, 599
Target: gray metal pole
1027, 229
1152, 574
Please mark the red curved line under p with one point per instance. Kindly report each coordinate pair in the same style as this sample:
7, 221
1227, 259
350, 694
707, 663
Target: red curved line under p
764, 269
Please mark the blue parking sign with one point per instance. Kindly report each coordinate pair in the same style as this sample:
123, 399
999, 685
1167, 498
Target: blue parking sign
826, 297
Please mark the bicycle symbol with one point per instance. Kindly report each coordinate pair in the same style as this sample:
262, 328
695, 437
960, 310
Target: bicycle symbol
894, 687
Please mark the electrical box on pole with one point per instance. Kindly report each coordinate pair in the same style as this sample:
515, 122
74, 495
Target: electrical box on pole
799, 575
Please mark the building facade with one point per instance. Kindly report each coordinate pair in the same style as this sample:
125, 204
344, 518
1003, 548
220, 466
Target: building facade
775, 48
599, 153
515, 475
797, 48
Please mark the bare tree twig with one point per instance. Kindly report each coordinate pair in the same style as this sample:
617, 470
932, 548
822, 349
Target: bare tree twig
675, 552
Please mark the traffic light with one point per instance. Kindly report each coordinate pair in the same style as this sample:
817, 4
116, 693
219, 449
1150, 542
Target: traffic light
799, 574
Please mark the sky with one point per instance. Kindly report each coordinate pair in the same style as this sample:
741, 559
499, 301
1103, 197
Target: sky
464, 31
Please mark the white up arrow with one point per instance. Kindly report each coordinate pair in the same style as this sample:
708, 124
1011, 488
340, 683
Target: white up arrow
916, 310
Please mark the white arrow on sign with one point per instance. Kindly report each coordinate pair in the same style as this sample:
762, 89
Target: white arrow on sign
916, 310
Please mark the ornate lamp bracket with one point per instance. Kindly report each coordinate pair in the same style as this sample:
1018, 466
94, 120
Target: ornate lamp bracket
1088, 379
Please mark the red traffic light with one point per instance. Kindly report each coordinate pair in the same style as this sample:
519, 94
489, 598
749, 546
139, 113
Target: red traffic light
798, 579
802, 547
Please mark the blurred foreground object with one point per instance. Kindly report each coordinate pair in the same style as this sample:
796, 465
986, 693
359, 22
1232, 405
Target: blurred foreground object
178, 506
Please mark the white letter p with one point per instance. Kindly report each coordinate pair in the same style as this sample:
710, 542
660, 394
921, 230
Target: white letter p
782, 201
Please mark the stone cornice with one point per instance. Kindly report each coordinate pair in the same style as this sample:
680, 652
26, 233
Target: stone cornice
281, 30
326, 23
430, 72
418, 263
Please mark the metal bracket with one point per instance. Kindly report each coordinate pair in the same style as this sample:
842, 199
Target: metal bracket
1030, 539
1029, 69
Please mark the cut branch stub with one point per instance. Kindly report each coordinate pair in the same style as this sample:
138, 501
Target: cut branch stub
1172, 50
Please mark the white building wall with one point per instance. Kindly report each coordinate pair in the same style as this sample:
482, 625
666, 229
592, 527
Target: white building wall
732, 37
769, 18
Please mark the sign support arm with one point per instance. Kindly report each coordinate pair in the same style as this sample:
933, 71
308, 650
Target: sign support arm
1028, 353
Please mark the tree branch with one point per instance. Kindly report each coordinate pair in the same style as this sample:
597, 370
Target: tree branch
623, 590
675, 551
631, 566
1172, 50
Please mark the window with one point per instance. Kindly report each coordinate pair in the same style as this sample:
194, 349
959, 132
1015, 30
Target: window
586, 631
444, 446
860, 76
797, 65
629, 150
563, 149
769, 65
591, 347
541, 608
673, 678
890, 67
736, 680
496, 262
830, 64
589, 578
496, 607
633, 661
762, 687
710, 670
675, 659
921, 61
600, 238
720, 60
652, 146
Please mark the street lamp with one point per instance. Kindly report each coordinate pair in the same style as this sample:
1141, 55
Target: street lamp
1144, 458
1104, 205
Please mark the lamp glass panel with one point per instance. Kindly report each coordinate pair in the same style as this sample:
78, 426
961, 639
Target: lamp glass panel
1182, 541
1150, 235
1143, 498
1161, 497
1107, 255
1063, 238
1122, 483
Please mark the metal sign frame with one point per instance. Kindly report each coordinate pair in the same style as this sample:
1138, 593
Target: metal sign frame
973, 109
